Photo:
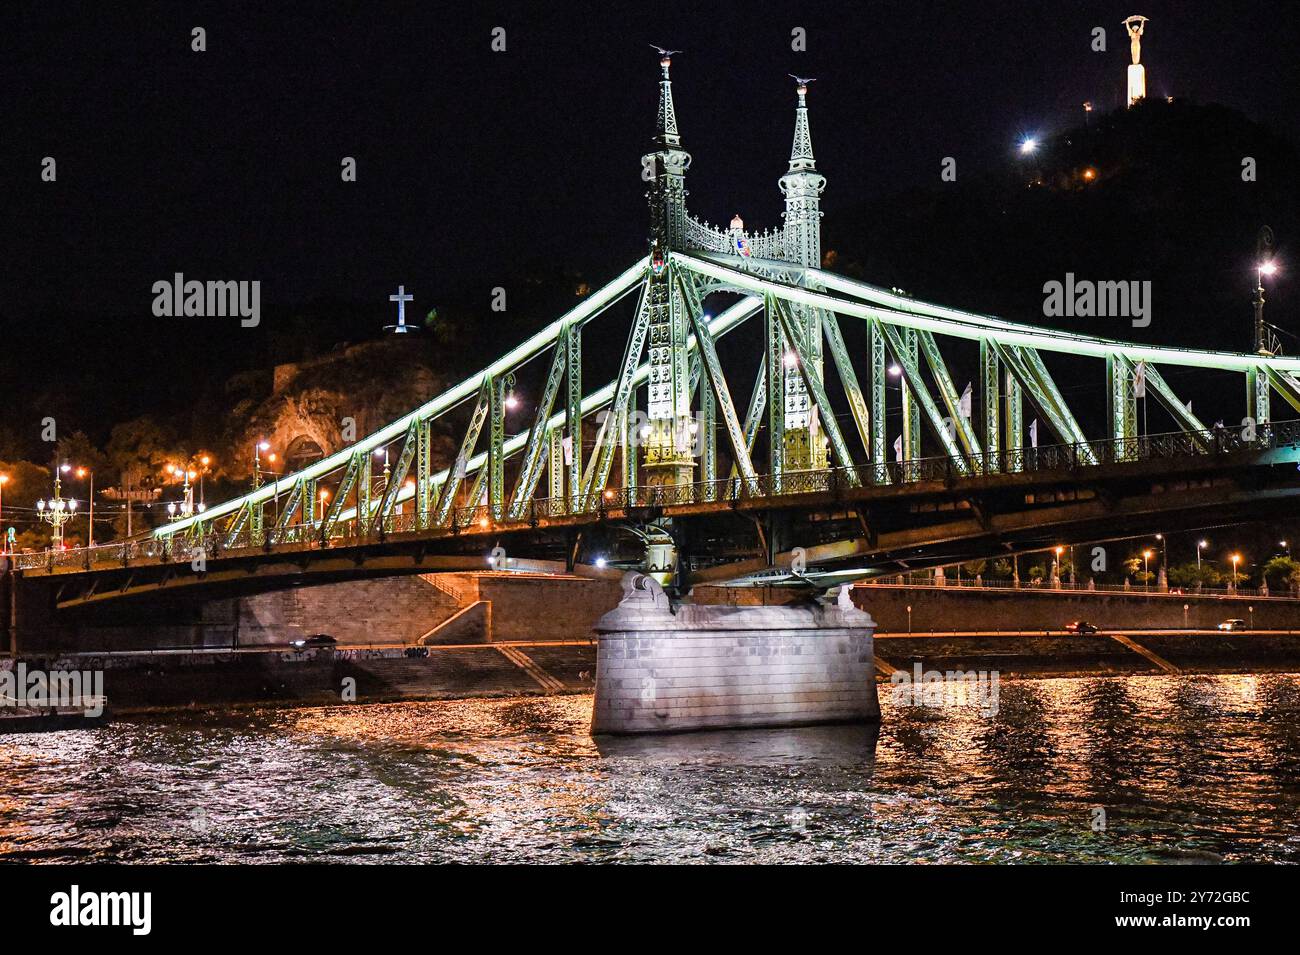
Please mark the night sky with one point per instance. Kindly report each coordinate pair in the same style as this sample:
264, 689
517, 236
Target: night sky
225, 164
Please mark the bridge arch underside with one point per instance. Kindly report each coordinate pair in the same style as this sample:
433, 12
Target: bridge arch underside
845, 533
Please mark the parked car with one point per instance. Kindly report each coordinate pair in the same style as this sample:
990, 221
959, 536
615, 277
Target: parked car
1234, 623
315, 640
1081, 627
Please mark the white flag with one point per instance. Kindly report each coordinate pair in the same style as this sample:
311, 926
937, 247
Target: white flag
898, 449
1140, 380
567, 443
1033, 433
460, 469
1189, 405
964, 404
814, 422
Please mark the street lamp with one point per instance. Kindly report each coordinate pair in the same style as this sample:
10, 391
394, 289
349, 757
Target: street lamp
324, 496
1056, 565
1236, 559
1146, 572
258, 448
1262, 268
1199, 545
57, 511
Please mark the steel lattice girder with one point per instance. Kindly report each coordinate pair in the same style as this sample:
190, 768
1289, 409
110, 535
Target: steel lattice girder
398, 476
590, 307
349, 479
460, 468
1037, 383
603, 454
809, 371
953, 323
1286, 384
717, 387
531, 469
951, 400
826, 292
849, 378
879, 437
912, 374
1181, 414
990, 387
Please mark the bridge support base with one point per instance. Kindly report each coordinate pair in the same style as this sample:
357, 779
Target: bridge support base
721, 667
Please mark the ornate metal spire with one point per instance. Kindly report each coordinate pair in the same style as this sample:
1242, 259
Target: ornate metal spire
801, 153
665, 168
666, 128
802, 187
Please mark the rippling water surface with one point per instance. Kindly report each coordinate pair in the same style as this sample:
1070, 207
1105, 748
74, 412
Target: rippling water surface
1185, 769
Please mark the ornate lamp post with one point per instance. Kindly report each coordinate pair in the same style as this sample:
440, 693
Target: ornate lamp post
257, 462
57, 511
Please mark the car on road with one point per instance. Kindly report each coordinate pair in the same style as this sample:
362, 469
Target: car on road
1233, 623
1082, 627
314, 641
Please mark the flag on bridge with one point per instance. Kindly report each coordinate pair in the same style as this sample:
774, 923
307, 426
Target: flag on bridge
1140, 380
567, 443
898, 449
964, 404
1033, 433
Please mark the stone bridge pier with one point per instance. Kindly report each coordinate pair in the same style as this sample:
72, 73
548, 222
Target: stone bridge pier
665, 668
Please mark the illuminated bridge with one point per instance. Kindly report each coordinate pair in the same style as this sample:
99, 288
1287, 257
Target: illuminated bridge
655, 465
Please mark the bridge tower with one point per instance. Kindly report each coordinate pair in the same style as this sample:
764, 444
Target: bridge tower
806, 446
668, 446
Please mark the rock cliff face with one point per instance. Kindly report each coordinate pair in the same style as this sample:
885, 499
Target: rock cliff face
314, 405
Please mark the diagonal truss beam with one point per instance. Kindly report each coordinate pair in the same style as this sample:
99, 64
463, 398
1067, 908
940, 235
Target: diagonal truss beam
849, 378
721, 393
460, 467
808, 369
912, 374
531, 469
951, 400
397, 478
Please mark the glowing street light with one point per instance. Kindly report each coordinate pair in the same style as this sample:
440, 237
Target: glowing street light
1263, 267
258, 448
1199, 545
1236, 559
895, 370
1146, 572
56, 511
1028, 145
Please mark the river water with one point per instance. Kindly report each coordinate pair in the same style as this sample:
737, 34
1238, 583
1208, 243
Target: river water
1128, 769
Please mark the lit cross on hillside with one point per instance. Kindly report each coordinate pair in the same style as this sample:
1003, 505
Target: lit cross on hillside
401, 298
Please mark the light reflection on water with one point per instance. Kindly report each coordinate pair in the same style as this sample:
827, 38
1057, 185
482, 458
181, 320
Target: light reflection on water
1186, 768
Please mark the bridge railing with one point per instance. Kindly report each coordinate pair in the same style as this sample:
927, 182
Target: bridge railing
1181, 445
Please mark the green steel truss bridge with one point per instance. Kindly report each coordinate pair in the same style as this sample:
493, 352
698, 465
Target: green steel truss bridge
661, 468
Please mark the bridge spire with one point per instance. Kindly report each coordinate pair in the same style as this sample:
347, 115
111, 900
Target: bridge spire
805, 446
665, 168
802, 187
